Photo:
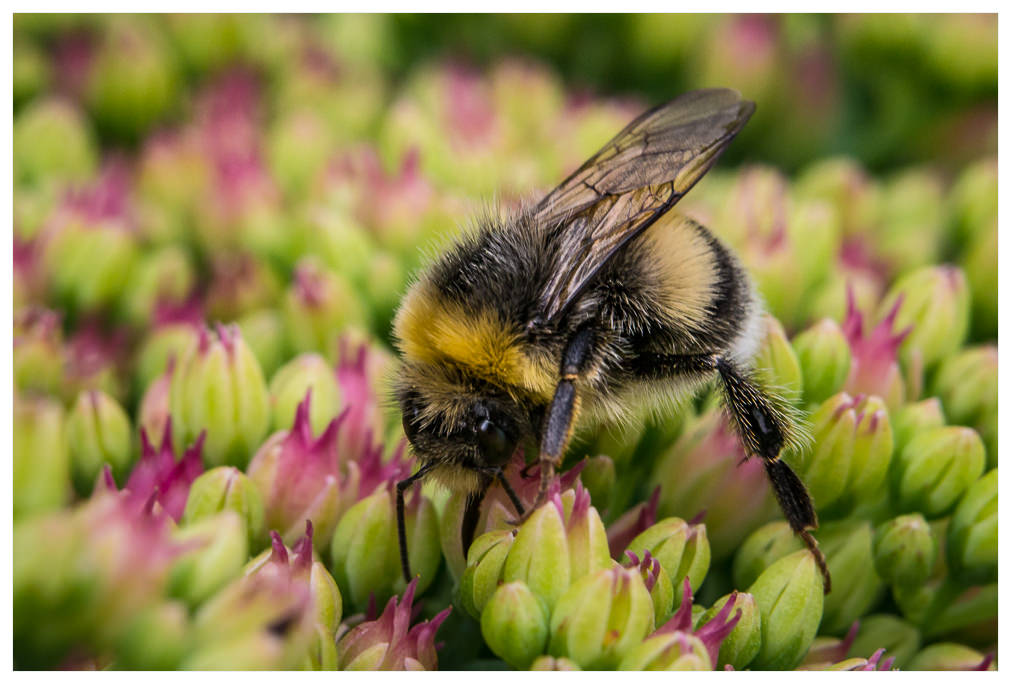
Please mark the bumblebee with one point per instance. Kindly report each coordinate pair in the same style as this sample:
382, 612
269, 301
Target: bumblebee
582, 308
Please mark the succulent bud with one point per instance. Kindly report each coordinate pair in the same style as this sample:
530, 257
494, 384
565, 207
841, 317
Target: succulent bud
98, 432
600, 617
675, 651
972, 533
514, 624
163, 277
216, 549
899, 639
389, 643
319, 304
761, 549
156, 639
155, 406
912, 219
904, 550
706, 471
824, 356
776, 362
240, 283
979, 261
933, 302
856, 587
874, 366
949, 656
915, 418
225, 488
264, 330
38, 351
158, 478
52, 141
288, 388
658, 583
681, 548
485, 562
967, 385
41, 457
218, 387
789, 595
935, 468
159, 348
550, 663
539, 556
364, 553
849, 456
744, 641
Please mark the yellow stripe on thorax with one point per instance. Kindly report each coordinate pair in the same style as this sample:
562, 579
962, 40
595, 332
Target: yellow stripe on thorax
432, 330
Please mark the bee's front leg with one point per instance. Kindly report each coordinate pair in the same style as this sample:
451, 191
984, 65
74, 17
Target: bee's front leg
563, 412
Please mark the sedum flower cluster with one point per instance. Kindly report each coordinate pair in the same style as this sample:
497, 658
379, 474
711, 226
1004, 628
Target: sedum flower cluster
214, 220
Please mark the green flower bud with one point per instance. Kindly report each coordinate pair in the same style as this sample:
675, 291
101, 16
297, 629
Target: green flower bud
162, 277
514, 624
485, 562
979, 261
31, 71
155, 640
98, 433
935, 468
842, 183
681, 548
89, 260
240, 283
967, 385
153, 415
299, 143
289, 385
904, 550
225, 488
743, 643
850, 453
364, 553
676, 651
159, 347
52, 142
264, 331
912, 220
41, 457
824, 356
935, 305
132, 82
317, 307
915, 418
550, 663
658, 583
217, 551
849, 554
761, 549
776, 363
972, 533
899, 639
38, 351
218, 387
789, 595
973, 199
601, 617
539, 556
949, 656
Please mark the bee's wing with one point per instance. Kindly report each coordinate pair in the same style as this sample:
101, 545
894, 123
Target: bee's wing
631, 182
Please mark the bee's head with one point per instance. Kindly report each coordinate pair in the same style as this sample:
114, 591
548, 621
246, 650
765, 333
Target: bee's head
458, 422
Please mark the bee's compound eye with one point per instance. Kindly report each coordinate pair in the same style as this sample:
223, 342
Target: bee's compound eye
494, 444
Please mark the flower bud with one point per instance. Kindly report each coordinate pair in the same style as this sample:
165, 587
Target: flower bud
850, 453
155, 406
824, 356
600, 617
161, 346
98, 432
264, 330
52, 141
967, 385
319, 304
949, 656
514, 624
389, 643
904, 550
935, 468
744, 641
38, 351
972, 533
912, 219
899, 639
915, 418
761, 549
288, 389
158, 478
364, 553
485, 562
550, 663
847, 187
676, 651
225, 488
218, 387
874, 365
973, 198
216, 551
41, 458
539, 556
979, 261
856, 586
681, 548
163, 277
657, 582
240, 283
776, 363
156, 639
933, 302
789, 595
